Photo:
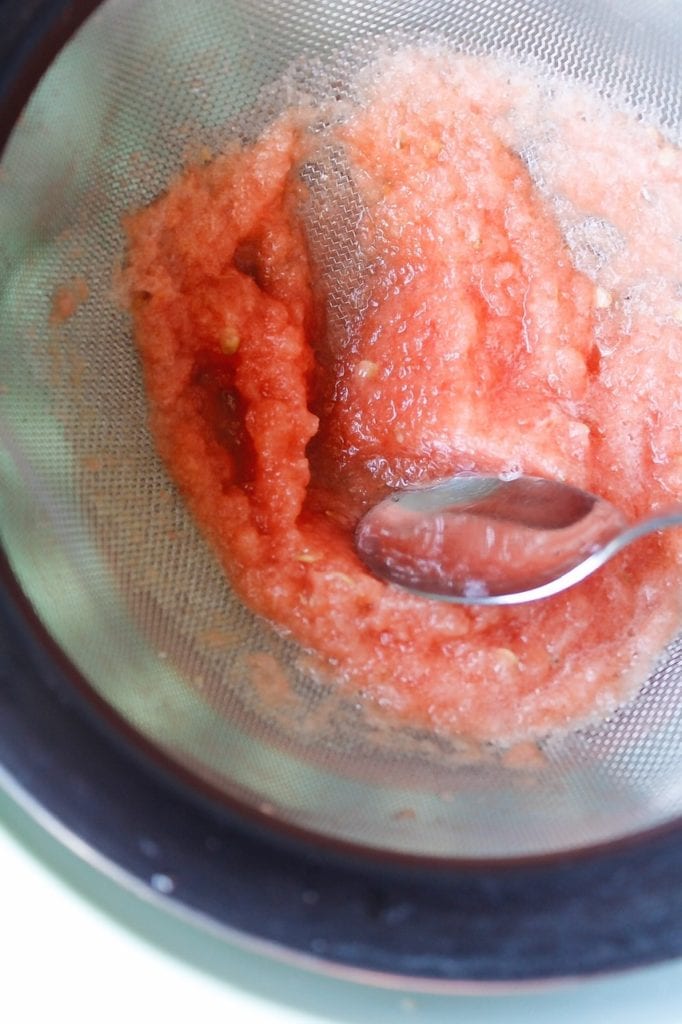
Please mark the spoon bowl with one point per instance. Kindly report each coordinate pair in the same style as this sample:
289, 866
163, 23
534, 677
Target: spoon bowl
481, 539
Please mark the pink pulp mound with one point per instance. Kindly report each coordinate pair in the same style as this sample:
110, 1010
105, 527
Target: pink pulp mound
493, 331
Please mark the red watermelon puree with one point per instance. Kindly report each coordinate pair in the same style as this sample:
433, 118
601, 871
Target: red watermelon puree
477, 345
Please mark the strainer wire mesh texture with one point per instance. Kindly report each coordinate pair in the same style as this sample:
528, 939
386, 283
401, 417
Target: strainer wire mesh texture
88, 510
460, 925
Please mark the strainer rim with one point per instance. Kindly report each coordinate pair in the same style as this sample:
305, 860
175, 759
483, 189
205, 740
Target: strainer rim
630, 876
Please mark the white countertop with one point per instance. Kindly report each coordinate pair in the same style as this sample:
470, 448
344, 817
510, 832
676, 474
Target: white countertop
76, 947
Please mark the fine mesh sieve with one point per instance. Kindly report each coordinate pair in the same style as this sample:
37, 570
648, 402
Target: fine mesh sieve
94, 530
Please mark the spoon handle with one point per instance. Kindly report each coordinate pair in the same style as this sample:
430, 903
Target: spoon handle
661, 521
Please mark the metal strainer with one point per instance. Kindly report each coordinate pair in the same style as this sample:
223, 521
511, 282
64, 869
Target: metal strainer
95, 533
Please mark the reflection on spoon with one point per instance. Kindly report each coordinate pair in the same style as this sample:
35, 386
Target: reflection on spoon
476, 539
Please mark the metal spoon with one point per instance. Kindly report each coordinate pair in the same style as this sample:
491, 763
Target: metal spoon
477, 539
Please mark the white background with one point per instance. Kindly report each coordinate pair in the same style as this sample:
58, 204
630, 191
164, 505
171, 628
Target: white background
75, 947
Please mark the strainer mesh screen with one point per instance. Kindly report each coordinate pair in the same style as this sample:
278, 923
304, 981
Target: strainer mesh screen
97, 534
